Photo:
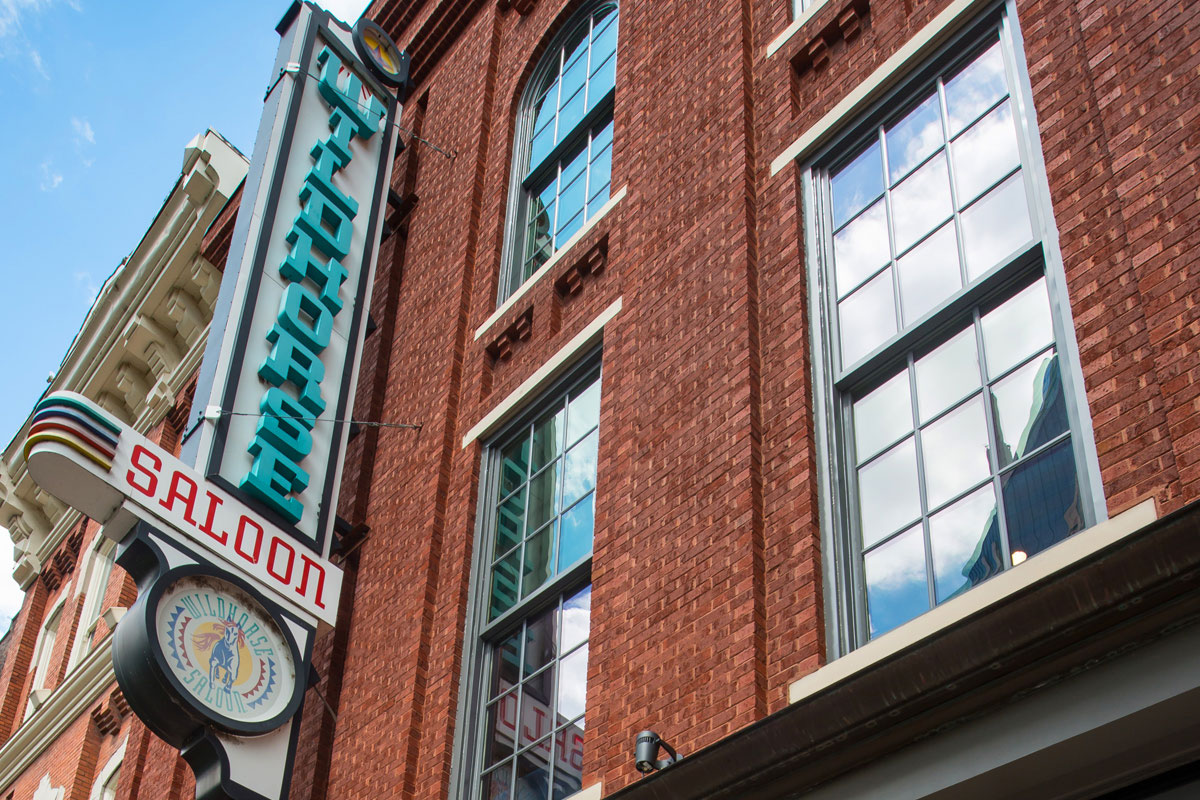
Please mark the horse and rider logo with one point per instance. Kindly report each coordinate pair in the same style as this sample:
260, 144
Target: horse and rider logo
227, 655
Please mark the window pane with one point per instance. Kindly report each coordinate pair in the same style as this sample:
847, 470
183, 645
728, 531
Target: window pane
1017, 329
929, 274
889, 496
947, 374
505, 576
921, 202
501, 728
965, 538
539, 560
996, 226
572, 685
547, 440
602, 81
583, 414
540, 642
914, 138
867, 318
1041, 501
857, 185
985, 154
576, 617
955, 449
506, 665
514, 465
574, 78
543, 497
533, 776
883, 416
577, 526
579, 474
976, 89
496, 784
571, 113
860, 249
510, 523
599, 180
897, 589
1029, 407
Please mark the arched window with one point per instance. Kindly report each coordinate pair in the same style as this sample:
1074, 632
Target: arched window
562, 164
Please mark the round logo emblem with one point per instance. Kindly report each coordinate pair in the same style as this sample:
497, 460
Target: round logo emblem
225, 649
380, 53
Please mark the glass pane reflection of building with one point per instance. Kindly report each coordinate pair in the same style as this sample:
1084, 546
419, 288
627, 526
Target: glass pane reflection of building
965, 462
534, 713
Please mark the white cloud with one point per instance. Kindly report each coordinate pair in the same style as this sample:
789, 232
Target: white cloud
83, 130
345, 10
11, 11
36, 58
88, 285
51, 178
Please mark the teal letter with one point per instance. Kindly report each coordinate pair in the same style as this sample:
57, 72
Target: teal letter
285, 425
273, 477
291, 362
302, 263
366, 117
302, 315
328, 160
319, 217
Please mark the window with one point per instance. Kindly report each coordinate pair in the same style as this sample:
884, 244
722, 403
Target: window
562, 162
43, 653
951, 410
95, 587
535, 599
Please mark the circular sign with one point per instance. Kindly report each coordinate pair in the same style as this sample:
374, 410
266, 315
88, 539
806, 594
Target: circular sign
226, 652
380, 53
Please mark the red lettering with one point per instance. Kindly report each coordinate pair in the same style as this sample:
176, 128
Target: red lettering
576, 757
276, 545
302, 590
189, 499
139, 453
213, 503
244, 523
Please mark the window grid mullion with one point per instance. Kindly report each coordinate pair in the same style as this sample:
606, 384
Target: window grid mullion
993, 441
897, 317
922, 491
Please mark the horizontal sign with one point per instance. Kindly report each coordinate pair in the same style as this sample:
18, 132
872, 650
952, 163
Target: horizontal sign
80, 454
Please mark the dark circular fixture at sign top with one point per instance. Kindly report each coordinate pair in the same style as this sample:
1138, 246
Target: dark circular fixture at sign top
380, 53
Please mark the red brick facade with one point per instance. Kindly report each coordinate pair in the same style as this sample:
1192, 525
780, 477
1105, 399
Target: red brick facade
707, 568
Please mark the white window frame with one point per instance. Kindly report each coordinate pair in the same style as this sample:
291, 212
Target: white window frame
844, 586
94, 586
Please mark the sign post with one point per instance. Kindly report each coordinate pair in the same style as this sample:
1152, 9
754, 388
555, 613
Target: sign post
230, 543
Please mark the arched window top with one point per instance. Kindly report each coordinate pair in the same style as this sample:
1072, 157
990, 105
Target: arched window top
576, 76
562, 165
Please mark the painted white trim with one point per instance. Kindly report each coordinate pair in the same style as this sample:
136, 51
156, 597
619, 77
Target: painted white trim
559, 254
1039, 567
113, 764
81, 688
879, 81
796, 25
593, 792
557, 362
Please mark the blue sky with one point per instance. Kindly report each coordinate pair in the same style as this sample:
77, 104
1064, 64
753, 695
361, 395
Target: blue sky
99, 99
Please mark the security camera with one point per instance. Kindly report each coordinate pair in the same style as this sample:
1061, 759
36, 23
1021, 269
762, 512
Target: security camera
646, 753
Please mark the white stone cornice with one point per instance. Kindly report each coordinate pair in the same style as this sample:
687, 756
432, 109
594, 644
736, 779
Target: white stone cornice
143, 337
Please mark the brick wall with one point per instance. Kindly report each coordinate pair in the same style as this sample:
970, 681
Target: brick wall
707, 571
